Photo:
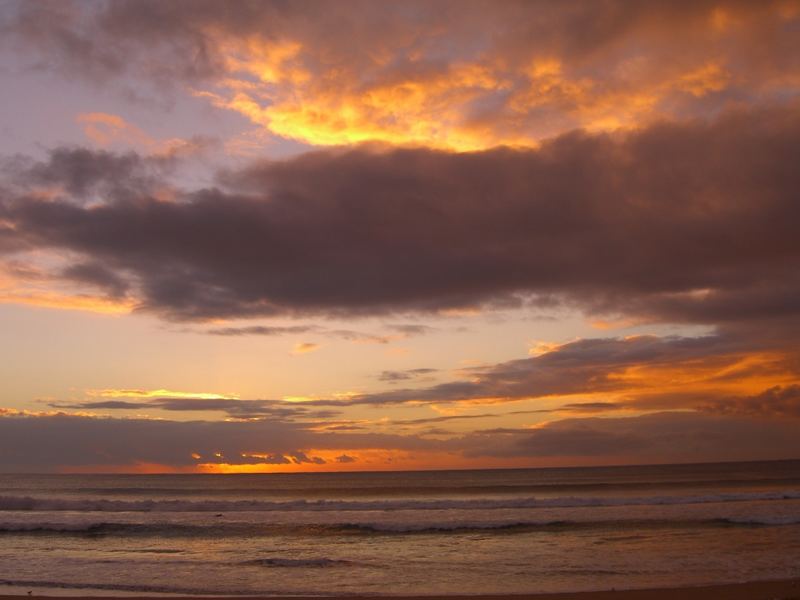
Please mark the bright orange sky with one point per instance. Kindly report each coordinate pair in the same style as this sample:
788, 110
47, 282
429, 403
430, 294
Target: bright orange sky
412, 235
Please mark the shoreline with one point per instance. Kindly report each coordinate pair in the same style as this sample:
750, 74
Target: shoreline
786, 589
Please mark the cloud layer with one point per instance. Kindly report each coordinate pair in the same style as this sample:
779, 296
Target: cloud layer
80, 442
629, 162
463, 75
685, 222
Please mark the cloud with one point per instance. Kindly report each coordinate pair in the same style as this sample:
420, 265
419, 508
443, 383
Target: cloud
591, 407
261, 330
359, 337
659, 437
603, 158
49, 442
463, 75
305, 348
54, 442
98, 276
397, 376
778, 401
159, 393
425, 421
108, 130
640, 225
105, 129
300, 458
715, 374
412, 329
83, 175
666, 366
276, 410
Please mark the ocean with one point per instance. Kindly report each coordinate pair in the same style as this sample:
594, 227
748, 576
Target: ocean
432, 532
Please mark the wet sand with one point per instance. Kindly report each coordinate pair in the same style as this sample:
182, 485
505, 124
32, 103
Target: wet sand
761, 590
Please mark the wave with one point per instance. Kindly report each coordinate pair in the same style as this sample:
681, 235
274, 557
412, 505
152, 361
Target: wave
392, 528
27, 503
431, 489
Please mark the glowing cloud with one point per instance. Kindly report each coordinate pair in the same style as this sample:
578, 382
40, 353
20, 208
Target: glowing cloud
513, 94
159, 393
108, 130
58, 301
305, 348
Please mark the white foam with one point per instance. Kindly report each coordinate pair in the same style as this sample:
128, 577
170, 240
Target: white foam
27, 503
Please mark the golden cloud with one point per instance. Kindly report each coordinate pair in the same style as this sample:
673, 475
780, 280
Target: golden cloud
94, 304
298, 88
305, 348
159, 393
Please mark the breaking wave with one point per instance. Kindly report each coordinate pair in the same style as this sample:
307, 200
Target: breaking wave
392, 528
27, 503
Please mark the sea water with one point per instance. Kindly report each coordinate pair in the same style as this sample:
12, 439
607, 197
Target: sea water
433, 532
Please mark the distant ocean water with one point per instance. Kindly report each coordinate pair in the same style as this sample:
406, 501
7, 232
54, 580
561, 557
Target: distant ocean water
442, 532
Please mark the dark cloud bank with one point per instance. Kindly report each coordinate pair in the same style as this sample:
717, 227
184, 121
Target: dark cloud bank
169, 42
692, 222
48, 442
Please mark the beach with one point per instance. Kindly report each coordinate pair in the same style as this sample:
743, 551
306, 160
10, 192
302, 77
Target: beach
759, 590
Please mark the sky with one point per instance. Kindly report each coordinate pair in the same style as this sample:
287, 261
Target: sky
355, 235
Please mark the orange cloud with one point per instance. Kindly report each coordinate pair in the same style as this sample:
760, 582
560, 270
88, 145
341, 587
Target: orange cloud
297, 88
108, 130
371, 459
81, 302
31, 282
105, 129
305, 348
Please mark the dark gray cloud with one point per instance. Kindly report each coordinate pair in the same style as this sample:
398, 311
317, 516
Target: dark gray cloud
81, 171
685, 222
442, 419
411, 329
266, 330
338, 426
101, 405
584, 366
780, 401
87, 175
99, 276
46, 443
276, 410
591, 407
402, 332
659, 437
396, 376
